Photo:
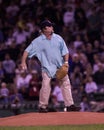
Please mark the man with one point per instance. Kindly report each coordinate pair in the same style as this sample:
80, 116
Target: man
52, 53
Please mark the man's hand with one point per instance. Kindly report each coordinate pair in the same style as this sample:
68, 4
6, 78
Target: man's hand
23, 63
23, 66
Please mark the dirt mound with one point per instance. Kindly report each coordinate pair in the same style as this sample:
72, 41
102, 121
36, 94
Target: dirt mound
53, 118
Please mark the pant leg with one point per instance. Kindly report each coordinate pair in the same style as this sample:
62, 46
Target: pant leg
66, 91
44, 91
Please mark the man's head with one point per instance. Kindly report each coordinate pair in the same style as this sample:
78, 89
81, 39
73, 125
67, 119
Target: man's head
46, 27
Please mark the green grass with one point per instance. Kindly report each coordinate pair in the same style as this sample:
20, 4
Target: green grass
63, 127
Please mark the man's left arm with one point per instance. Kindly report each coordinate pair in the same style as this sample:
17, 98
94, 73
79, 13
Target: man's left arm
66, 58
63, 70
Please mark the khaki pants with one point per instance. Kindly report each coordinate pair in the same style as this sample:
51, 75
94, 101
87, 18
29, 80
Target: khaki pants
46, 89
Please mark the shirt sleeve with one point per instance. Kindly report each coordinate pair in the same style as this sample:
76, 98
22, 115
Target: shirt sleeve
31, 49
63, 47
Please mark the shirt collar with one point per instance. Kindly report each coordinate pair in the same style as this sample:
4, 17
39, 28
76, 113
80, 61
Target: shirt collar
44, 37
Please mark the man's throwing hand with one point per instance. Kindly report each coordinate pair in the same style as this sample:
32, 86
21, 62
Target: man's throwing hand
23, 66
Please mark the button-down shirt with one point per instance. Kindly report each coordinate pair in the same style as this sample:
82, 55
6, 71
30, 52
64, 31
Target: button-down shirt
50, 52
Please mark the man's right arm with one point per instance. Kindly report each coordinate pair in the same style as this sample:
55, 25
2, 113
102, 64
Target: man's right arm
23, 62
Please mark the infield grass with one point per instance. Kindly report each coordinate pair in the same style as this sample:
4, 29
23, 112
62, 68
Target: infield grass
63, 127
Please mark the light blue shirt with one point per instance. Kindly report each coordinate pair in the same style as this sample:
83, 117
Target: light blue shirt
49, 52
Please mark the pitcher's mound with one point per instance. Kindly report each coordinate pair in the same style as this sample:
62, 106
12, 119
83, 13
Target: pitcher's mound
54, 118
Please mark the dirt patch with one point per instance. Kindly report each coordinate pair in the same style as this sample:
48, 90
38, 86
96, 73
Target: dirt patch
53, 118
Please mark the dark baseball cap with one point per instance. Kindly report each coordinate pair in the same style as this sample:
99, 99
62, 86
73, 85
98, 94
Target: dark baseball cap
46, 23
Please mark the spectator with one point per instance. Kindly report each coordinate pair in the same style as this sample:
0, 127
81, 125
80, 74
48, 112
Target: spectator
57, 97
76, 62
10, 40
20, 36
9, 68
57, 93
78, 42
68, 17
96, 66
82, 56
97, 48
76, 77
12, 9
4, 93
31, 25
87, 72
91, 88
99, 77
22, 83
34, 86
97, 61
85, 105
16, 100
17, 72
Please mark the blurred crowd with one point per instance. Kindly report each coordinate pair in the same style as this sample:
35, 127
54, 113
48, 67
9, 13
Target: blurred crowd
79, 22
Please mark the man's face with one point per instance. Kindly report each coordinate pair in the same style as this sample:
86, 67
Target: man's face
48, 30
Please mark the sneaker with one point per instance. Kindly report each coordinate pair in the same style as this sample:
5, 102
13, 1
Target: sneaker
73, 108
43, 110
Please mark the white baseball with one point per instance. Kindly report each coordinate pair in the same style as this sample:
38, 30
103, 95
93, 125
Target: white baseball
65, 109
